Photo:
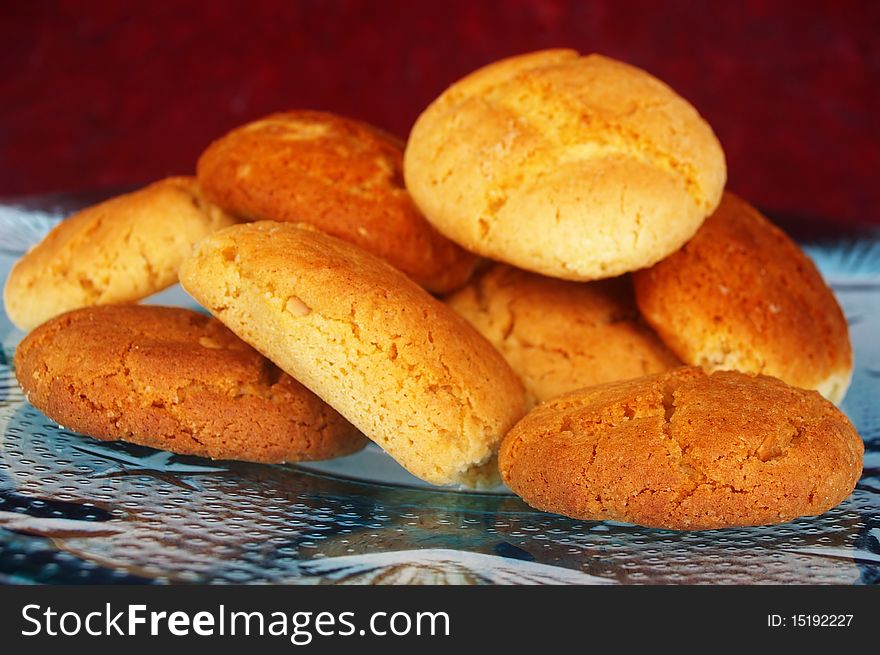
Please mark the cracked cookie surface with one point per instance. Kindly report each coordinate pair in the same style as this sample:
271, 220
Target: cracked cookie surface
742, 295
685, 450
578, 167
177, 380
400, 365
342, 176
121, 250
559, 336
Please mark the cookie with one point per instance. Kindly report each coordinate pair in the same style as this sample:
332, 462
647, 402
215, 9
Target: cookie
400, 365
120, 250
340, 175
685, 450
173, 379
741, 295
559, 336
577, 167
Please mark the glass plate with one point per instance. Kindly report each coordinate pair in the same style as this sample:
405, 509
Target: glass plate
77, 510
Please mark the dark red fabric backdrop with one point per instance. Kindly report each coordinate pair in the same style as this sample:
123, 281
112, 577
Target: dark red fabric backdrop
110, 93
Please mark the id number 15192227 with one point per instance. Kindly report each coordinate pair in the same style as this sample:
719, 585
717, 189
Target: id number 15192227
809, 620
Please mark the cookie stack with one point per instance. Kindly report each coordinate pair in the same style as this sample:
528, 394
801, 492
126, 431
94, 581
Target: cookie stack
547, 282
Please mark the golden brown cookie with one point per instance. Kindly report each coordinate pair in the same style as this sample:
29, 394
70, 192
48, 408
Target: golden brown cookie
577, 167
559, 336
177, 380
121, 250
400, 365
685, 450
340, 175
741, 295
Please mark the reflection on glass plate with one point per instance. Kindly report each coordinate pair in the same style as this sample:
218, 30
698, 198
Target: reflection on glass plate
77, 510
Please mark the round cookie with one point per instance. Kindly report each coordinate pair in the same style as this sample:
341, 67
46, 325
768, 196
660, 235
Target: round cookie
559, 336
741, 295
577, 167
340, 175
400, 365
685, 450
177, 380
121, 250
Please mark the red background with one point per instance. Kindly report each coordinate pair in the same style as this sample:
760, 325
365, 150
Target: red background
101, 94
